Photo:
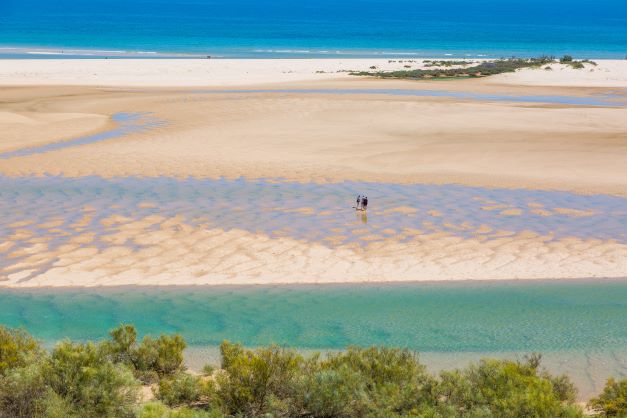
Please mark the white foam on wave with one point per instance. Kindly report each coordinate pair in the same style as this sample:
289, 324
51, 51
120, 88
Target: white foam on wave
81, 52
43, 53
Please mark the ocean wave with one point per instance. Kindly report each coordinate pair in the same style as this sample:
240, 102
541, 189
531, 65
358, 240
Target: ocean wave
81, 52
230, 53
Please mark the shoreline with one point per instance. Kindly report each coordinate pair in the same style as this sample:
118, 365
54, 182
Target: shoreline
8, 51
243, 72
577, 364
459, 283
577, 326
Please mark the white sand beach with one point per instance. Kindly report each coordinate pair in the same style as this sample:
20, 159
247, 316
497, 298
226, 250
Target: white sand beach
242, 72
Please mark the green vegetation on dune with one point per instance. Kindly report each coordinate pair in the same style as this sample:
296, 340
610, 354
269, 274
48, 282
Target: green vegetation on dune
442, 69
445, 63
104, 380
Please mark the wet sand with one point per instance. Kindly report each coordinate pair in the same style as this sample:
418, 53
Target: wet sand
467, 179
91, 231
336, 137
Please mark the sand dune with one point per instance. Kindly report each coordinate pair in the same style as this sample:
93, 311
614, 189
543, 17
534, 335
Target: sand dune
607, 73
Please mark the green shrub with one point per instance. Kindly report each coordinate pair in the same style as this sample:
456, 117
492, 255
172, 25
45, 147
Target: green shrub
208, 369
612, 402
17, 348
334, 393
577, 65
159, 410
566, 59
163, 355
505, 389
393, 380
149, 359
253, 379
445, 63
481, 69
122, 345
96, 380
24, 393
563, 388
94, 386
185, 389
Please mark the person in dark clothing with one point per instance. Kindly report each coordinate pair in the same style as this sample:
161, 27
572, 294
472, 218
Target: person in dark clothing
364, 202
358, 202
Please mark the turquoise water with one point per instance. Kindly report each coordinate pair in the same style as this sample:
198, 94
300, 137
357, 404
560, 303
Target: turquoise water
322, 28
579, 326
454, 317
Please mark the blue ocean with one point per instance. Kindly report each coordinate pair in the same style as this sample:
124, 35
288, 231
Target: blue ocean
320, 28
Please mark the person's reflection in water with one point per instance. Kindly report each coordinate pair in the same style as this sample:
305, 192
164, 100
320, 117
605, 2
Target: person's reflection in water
362, 216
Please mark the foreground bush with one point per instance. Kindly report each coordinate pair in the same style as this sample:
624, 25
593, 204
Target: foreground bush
79, 380
613, 401
89, 381
186, 389
102, 379
385, 382
506, 389
17, 348
150, 359
159, 410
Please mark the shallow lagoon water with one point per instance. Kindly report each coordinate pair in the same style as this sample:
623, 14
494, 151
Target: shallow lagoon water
613, 100
448, 317
125, 124
60, 209
580, 326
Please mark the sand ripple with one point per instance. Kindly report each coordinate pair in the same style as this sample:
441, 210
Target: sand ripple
94, 231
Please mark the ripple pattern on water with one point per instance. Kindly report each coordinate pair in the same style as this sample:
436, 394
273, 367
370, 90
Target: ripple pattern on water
47, 213
307, 211
480, 317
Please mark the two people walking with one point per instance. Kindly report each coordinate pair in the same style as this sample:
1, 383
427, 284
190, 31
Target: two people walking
362, 202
